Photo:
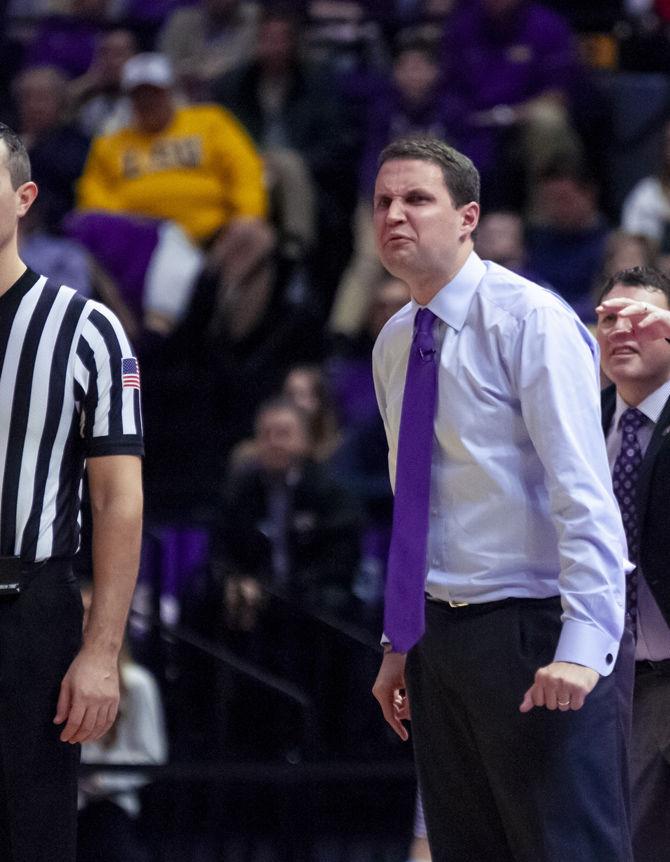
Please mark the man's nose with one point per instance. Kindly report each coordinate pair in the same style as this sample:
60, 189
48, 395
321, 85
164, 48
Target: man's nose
395, 212
622, 326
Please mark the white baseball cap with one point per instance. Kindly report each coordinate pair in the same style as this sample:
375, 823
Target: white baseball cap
149, 68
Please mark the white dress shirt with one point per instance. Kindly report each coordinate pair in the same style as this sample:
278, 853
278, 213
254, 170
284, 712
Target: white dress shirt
521, 494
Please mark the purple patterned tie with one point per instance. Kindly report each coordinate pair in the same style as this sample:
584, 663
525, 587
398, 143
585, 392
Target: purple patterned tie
624, 480
406, 571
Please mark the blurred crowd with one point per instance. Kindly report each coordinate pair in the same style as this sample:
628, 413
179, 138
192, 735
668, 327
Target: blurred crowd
206, 169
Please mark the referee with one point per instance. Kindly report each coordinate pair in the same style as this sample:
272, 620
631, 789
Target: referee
69, 396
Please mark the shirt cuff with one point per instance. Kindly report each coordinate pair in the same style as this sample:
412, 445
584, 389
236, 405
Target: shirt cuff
581, 643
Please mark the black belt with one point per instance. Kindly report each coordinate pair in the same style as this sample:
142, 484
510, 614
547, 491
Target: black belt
646, 665
475, 608
13, 569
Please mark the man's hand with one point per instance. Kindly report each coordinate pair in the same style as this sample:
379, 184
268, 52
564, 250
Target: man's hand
648, 320
560, 685
389, 690
89, 697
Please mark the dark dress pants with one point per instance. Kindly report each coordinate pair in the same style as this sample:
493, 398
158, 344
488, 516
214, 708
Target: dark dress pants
501, 785
650, 762
40, 633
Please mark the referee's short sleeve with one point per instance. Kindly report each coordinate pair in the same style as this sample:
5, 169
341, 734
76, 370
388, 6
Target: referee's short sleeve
108, 377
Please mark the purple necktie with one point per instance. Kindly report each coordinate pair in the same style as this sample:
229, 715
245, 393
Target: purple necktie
406, 571
624, 481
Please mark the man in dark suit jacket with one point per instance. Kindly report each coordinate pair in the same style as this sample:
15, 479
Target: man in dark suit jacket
633, 325
285, 553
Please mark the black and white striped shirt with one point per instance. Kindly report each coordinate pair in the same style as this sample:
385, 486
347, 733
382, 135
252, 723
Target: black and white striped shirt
69, 390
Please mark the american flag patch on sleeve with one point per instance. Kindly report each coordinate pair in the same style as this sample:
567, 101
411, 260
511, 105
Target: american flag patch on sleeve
130, 373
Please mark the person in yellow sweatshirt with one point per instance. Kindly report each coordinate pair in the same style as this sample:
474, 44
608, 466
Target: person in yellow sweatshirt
192, 164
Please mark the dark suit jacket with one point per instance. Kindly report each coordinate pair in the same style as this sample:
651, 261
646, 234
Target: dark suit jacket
653, 503
323, 533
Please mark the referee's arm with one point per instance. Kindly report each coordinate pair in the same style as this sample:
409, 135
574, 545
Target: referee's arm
89, 693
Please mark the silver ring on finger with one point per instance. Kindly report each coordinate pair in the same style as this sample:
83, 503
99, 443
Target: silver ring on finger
563, 702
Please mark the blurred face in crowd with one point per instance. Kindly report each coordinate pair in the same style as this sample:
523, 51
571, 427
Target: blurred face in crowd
114, 49
419, 233
40, 96
624, 251
282, 439
637, 367
277, 46
153, 108
415, 75
302, 387
566, 204
500, 238
388, 298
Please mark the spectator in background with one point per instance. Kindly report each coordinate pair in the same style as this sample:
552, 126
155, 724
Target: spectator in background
624, 251
206, 39
349, 365
66, 39
57, 149
414, 101
100, 104
567, 242
646, 209
501, 238
513, 63
286, 522
193, 165
146, 268
109, 803
294, 113
286, 547
305, 386
346, 35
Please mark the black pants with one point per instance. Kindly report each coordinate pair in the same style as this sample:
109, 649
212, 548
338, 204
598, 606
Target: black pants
40, 633
501, 785
650, 762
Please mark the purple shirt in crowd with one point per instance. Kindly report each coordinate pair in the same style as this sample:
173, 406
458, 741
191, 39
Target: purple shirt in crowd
505, 61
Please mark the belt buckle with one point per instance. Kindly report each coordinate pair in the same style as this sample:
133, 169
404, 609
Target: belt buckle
453, 604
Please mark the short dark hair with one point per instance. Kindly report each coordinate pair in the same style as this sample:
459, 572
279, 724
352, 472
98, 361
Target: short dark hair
461, 177
17, 159
648, 277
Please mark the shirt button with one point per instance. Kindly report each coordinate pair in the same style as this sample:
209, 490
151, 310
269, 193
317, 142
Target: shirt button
609, 658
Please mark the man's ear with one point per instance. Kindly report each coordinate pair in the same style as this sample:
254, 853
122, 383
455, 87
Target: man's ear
470, 217
25, 195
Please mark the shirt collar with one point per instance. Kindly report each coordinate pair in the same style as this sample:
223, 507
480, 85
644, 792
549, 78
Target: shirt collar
652, 406
451, 302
